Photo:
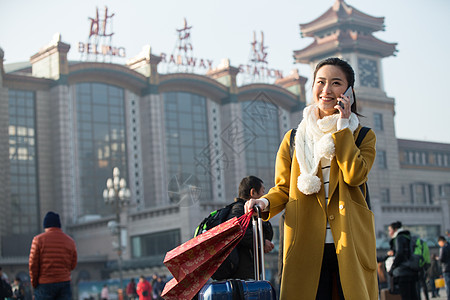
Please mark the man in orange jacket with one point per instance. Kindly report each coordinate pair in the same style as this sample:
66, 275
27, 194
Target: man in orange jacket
53, 256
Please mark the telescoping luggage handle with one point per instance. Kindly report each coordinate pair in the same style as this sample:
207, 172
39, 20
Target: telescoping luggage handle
258, 245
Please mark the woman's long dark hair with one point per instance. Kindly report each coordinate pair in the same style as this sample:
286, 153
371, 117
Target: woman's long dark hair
348, 71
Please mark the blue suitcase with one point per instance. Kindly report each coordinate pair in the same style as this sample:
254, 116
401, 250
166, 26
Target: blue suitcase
234, 289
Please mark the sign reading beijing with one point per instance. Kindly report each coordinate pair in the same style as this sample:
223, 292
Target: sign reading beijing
99, 41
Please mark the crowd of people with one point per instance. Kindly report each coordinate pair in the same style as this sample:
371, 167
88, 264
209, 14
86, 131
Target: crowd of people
146, 289
396, 276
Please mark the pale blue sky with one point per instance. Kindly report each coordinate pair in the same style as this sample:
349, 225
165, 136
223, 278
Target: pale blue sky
417, 77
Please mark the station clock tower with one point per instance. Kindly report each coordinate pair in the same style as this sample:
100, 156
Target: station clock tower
346, 32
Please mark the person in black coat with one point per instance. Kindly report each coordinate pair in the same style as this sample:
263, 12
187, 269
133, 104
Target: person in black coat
5, 287
403, 277
434, 272
251, 187
444, 258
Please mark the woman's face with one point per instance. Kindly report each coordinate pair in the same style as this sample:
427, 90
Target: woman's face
330, 83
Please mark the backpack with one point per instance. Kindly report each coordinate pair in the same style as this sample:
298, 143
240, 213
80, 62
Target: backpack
420, 255
231, 263
213, 219
362, 133
5, 289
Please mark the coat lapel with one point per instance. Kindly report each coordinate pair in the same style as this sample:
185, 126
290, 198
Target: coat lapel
334, 177
334, 172
321, 194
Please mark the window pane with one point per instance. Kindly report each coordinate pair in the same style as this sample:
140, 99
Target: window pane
259, 139
187, 138
381, 159
378, 121
155, 244
22, 162
101, 140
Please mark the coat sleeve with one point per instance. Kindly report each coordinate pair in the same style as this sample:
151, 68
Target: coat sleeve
278, 196
401, 250
74, 257
33, 262
268, 231
139, 289
355, 163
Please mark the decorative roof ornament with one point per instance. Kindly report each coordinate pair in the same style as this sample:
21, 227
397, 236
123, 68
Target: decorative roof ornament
343, 28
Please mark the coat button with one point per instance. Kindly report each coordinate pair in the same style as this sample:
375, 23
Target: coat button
331, 217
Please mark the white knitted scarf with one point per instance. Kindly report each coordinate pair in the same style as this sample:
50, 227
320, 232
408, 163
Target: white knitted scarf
313, 141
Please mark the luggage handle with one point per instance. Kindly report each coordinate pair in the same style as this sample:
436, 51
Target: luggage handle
258, 245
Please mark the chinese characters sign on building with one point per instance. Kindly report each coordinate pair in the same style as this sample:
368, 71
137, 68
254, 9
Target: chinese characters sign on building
100, 38
258, 67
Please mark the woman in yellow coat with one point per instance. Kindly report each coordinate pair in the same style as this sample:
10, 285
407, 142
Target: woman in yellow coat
329, 235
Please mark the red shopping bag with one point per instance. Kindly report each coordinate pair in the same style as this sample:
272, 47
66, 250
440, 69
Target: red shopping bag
194, 262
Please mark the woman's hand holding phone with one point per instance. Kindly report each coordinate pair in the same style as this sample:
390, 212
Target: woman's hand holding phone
347, 97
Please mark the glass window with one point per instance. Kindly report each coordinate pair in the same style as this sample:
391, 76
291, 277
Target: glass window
422, 193
155, 244
385, 196
378, 121
189, 163
23, 183
100, 113
427, 232
101, 140
260, 138
424, 158
411, 157
444, 190
381, 159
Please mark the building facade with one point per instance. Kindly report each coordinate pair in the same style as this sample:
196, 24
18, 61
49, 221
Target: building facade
183, 141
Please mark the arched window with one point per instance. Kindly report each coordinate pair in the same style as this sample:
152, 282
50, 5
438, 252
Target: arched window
23, 163
187, 144
101, 142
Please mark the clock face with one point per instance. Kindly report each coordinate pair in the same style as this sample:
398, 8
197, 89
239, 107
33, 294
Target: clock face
368, 72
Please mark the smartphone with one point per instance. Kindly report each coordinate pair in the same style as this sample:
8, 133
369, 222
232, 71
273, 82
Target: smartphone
349, 94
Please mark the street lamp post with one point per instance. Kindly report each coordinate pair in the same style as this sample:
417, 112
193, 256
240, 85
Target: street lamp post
117, 194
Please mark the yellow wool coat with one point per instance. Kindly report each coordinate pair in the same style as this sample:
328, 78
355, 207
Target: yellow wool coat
351, 222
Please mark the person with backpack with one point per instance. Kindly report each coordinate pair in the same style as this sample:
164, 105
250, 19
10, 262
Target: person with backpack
444, 258
249, 187
404, 277
434, 272
425, 263
5, 287
239, 263
329, 232
18, 289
